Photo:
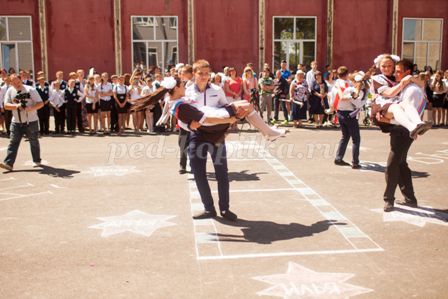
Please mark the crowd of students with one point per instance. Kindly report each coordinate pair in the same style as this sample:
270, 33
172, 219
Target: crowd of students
101, 104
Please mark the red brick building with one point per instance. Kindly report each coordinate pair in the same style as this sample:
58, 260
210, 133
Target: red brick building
114, 35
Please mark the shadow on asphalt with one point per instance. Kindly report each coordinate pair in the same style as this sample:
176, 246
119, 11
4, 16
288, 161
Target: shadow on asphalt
238, 176
380, 168
51, 171
267, 232
426, 213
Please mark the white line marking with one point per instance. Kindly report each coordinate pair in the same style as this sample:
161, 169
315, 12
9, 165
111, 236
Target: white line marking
310, 191
3, 148
56, 186
257, 190
24, 195
17, 187
280, 254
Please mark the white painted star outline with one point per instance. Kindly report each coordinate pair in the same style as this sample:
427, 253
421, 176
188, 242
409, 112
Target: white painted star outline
136, 222
301, 282
415, 216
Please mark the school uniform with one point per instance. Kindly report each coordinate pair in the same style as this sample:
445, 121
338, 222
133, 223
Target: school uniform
81, 112
62, 84
105, 101
90, 98
71, 98
44, 112
121, 91
57, 100
7, 113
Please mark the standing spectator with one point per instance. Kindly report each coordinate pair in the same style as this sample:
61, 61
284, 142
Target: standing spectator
266, 84
60, 80
44, 113
113, 110
92, 103
249, 83
327, 72
134, 94
445, 103
72, 97
24, 121
106, 102
310, 76
281, 89
121, 96
439, 90
57, 101
284, 71
318, 98
233, 86
298, 95
7, 114
429, 95
26, 78
149, 112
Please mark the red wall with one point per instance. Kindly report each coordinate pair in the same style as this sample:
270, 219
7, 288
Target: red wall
362, 31
80, 36
153, 8
315, 8
26, 8
425, 9
226, 33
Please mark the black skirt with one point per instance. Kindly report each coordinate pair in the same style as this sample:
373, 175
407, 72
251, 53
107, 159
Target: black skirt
89, 108
437, 100
105, 106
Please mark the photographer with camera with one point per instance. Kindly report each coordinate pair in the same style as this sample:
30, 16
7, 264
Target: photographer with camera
23, 101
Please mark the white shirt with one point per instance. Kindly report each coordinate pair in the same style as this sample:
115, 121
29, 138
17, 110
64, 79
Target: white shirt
57, 98
120, 89
3, 90
310, 79
25, 117
134, 93
213, 96
105, 87
91, 94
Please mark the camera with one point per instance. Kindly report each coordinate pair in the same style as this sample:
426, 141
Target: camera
22, 99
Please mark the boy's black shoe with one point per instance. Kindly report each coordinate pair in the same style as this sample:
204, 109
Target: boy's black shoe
341, 163
228, 215
182, 171
356, 166
412, 204
388, 206
205, 215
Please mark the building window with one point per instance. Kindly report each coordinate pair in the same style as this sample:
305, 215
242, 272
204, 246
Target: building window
16, 46
422, 41
154, 41
294, 40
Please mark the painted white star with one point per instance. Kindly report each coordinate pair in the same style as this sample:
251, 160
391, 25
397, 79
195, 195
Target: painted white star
112, 170
301, 282
415, 216
136, 222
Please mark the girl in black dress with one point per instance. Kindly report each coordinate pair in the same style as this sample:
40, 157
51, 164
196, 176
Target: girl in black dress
121, 96
319, 92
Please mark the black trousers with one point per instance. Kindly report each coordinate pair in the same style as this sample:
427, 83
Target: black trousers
59, 119
79, 120
114, 117
349, 129
277, 101
44, 119
398, 172
8, 119
72, 112
183, 147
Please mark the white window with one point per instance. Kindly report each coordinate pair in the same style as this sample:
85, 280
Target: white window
16, 46
422, 41
154, 41
294, 40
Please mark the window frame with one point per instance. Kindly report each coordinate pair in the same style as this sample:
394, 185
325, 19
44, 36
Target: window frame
294, 39
17, 42
154, 25
427, 42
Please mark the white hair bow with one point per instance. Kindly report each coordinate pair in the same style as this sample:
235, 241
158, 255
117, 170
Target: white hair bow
169, 83
378, 59
359, 76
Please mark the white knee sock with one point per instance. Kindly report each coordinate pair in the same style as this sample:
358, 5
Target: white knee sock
402, 118
271, 132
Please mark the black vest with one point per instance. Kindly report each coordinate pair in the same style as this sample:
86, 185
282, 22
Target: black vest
43, 92
71, 97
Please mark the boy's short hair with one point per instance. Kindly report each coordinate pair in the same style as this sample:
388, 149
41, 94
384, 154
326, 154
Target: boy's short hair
199, 64
342, 71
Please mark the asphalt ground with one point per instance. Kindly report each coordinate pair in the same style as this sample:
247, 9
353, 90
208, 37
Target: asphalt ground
110, 217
